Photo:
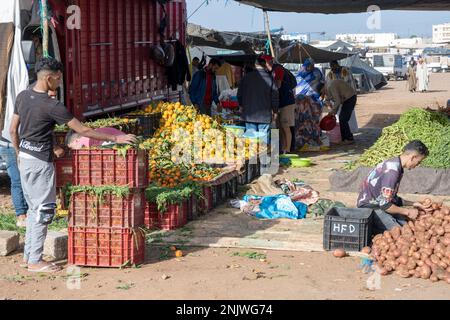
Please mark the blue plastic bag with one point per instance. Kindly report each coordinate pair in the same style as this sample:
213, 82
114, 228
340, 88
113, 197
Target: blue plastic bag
279, 207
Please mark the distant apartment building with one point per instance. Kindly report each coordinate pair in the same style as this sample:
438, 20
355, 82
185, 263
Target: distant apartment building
379, 39
295, 37
441, 33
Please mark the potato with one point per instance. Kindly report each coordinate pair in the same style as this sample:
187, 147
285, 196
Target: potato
439, 216
425, 272
396, 232
387, 235
417, 274
445, 211
396, 253
383, 271
366, 250
402, 260
442, 264
435, 259
428, 262
377, 238
411, 264
403, 273
440, 231
416, 255
339, 253
440, 273
433, 242
434, 278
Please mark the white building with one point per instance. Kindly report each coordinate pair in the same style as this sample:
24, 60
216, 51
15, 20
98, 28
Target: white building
378, 39
295, 37
441, 33
411, 43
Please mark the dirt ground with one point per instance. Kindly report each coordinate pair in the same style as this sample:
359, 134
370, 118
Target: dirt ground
228, 273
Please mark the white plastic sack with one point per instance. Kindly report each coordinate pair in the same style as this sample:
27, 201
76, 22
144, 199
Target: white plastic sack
17, 74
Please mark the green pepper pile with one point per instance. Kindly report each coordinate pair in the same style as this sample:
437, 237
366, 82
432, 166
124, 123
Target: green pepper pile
432, 128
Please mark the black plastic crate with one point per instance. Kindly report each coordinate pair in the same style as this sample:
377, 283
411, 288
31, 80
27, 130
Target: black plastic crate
243, 176
215, 196
147, 124
195, 209
232, 186
224, 193
347, 228
250, 171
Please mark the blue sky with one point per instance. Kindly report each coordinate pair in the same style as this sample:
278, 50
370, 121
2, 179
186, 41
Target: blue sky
230, 16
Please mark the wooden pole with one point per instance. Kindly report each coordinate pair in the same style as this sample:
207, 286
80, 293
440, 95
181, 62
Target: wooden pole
44, 23
266, 18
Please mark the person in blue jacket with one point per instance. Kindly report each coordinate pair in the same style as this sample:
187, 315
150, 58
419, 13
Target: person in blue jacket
203, 89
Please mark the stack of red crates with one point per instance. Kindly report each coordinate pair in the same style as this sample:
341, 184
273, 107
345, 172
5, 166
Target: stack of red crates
107, 232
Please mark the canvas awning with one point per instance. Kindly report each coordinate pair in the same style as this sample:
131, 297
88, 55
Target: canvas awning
232, 40
298, 52
345, 6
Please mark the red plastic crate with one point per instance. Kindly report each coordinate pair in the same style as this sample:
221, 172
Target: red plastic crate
87, 210
193, 211
206, 204
106, 247
108, 167
64, 170
173, 218
151, 215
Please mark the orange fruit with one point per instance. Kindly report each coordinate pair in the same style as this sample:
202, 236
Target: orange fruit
173, 248
178, 253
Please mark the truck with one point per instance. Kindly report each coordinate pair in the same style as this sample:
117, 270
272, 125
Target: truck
392, 66
105, 47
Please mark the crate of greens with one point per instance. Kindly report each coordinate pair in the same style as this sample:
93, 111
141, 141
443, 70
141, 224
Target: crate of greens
106, 206
121, 167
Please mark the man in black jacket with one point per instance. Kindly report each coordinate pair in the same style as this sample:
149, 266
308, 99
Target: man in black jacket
259, 99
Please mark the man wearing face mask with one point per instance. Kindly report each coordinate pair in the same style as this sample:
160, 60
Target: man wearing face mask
379, 189
36, 113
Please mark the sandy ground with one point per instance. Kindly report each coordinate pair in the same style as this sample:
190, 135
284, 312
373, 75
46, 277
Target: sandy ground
214, 273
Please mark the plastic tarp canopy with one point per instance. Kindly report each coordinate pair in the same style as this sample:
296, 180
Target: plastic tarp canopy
298, 52
374, 78
345, 6
232, 40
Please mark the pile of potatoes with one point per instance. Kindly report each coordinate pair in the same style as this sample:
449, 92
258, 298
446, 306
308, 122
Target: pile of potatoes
420, 248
